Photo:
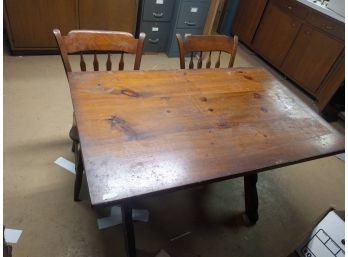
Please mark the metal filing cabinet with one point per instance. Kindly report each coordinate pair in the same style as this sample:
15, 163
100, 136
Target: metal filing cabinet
156, 16
188, 19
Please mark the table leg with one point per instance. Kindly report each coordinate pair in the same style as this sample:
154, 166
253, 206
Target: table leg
251, 198
79, 171
128, 230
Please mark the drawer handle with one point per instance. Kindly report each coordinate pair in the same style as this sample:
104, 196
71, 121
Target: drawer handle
157, 15
308, 33
293, 24
153, 41
290, 7
328, 27
188, 23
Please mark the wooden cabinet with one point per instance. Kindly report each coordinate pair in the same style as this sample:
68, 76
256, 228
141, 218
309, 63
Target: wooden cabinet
311, 57
302, 43
275, 34
120, 15
247, 19
331, 83
329, 26
30, 22
293, 7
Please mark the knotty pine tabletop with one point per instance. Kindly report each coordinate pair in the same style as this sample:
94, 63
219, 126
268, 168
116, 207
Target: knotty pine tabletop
145, 132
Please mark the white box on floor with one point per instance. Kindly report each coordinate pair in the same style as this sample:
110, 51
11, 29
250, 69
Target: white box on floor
326, 239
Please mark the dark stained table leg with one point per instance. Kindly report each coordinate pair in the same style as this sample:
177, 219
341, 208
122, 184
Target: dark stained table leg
79, 171
128, 229
251, 198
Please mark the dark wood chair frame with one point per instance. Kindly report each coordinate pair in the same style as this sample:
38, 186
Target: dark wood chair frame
206, 43
94, 42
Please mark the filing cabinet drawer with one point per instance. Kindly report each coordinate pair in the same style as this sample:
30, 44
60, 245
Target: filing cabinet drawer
157, 10
156, 35
174, 48
192, 14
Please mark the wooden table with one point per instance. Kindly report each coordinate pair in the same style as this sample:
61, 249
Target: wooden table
146, 132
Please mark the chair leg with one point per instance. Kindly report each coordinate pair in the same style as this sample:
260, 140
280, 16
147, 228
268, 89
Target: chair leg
251, 199
73, 147
79, 172
73, 136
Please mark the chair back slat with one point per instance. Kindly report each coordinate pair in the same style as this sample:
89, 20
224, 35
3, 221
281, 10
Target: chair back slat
82, 63
96, 41
217, 64
205, 43
199, 64
232, 57
108, 63
95, 62
208, 64
191, 61
121, 63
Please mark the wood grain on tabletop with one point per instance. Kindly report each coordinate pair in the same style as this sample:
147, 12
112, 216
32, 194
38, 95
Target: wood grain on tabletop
148, 131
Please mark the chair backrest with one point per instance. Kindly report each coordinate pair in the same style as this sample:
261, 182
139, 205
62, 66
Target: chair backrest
204, 43
97, 41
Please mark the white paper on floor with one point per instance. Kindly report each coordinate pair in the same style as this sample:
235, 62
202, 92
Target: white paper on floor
12, 235
162, 253
115, 217
64, 163
340, 156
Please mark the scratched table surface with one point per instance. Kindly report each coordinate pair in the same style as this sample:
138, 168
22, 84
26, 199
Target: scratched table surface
144, 132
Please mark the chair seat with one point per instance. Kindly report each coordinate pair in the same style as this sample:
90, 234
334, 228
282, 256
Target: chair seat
74, 134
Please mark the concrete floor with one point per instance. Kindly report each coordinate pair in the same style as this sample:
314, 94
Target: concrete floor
38, 193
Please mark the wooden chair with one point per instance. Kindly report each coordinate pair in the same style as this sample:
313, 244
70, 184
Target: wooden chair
202, 43
95, 42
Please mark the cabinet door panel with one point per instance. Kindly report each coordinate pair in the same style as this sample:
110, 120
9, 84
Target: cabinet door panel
275, 34
293, 7
311, 57
117, 15
326, 24
247, 18
32, 21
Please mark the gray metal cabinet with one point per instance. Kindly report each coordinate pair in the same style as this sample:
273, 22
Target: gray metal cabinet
192, 15
156, 16
156, 36
158, 10
188, 19
173, 44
